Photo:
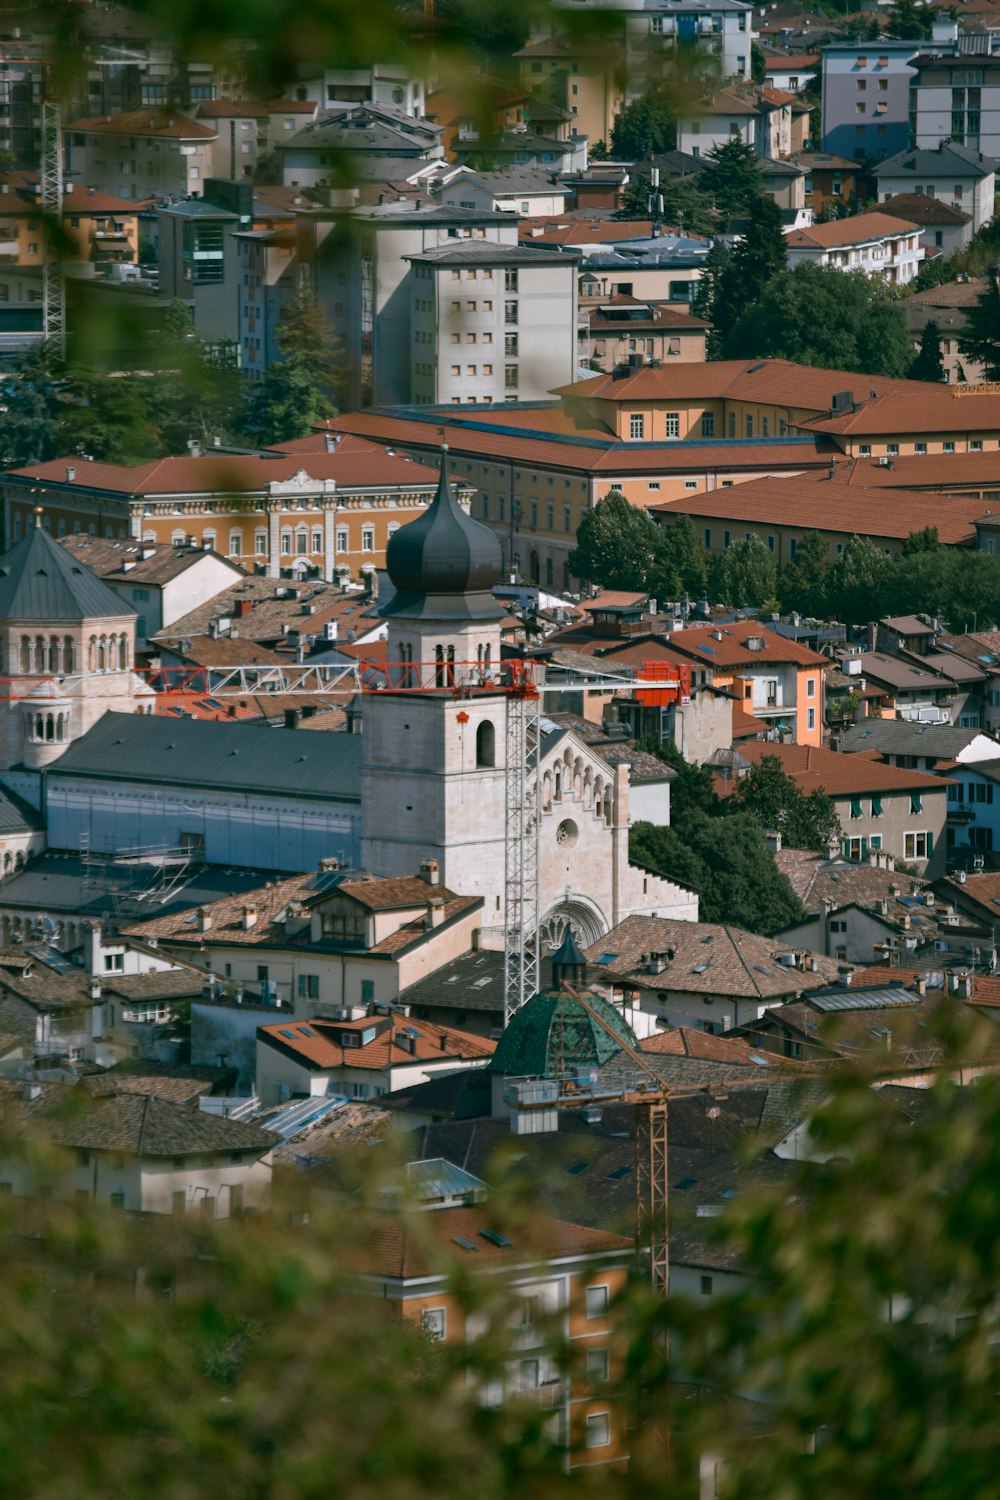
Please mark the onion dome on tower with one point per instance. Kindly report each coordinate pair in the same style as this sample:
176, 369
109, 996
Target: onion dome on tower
444, 565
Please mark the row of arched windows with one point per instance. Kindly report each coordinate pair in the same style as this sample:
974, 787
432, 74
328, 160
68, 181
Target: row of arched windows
569, 777
47, 727
107, 653
54, 653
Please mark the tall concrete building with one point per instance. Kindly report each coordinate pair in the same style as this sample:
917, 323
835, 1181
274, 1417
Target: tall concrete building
413, 292
434, 750
866, 97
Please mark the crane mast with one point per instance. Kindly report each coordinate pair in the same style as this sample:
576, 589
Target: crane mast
51, 200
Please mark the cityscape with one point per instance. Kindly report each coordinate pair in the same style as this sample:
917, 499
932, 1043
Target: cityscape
500, 749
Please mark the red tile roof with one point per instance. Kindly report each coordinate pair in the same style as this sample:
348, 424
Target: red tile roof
811, 501
854, 231
920, 408
318, 1044
356, 464
147, 122
777, 382
727, 646
406, 1246
941, 472
841, 775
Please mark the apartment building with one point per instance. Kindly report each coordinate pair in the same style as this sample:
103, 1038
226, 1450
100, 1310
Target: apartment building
142, 153
944, 230
652, 32
773, 122
881, 808
580, 75
490, 323
955, 97
348, 143
875, 243
199, 265
96, 227
960, 176
361, 268
774, 679
331, 511
830, 180
612, 331
866, 98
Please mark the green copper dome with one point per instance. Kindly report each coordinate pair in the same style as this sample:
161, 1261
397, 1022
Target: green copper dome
554, 1036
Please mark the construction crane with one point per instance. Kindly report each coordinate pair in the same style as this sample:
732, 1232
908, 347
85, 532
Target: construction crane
50, 180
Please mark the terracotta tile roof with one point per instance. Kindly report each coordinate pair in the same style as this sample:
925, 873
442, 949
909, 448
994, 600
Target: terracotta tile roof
555, 230
897, 900
727, 646
233, 109
685, 1041
776, 381
272, 901
147, 122
853, 231
83, 201
276, 607
895, 1038
219, 651
406, 1246
745, 726
940, 472
920, 209
778, 62
928, 409
841, 775
985, 987
548, 436
812, 501
140, 1125
355, 464
118, 560
951, 293
317, 1044
708, 958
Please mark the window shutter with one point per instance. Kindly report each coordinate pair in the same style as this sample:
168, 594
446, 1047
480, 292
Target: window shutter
930, 845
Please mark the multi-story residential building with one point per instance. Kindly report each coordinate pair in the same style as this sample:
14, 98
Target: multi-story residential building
875, 243
944, 230
612, 331
881, 808
349, 143
775, 123
955, 97
200, 265
490, 323
96, 228
866, 98
578, 74
791, 71
775, 680
241, 139
516, 190
383, 83
327, 946
829, 181
399, 327
662, 268
959, 176
142, 153
362, 1058
653, 32
332, 509
267, 274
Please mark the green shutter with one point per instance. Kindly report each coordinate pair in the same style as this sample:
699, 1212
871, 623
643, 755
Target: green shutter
916, 805
876, 807
930, 845
864, 849
855, 807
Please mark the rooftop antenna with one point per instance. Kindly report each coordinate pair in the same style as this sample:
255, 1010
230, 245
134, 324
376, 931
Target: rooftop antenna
655, 202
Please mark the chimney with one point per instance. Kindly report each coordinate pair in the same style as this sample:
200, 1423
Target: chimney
292, 716
249, 918
70, 473
204, 919
435, 912
330, 441
243, 608
194, 447
430, 871
95, 989
329, 862
920, 985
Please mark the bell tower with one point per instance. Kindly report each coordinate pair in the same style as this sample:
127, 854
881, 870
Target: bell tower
432, 781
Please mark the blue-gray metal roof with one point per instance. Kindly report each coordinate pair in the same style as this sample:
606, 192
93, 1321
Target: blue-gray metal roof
878, 997
39, 580
129, 748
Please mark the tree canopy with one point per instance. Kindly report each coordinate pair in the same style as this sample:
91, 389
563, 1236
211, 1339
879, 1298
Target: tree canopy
298, 389
644, 128
744, 574
928, 364
837, 320
980, 338
770, 796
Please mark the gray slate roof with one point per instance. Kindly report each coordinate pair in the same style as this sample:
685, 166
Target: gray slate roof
39, 580
142, 1125
949, 160
901, 737
483, 252
472, 982
61, 883
229, 757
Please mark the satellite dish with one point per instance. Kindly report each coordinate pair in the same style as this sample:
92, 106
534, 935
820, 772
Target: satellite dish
48, 926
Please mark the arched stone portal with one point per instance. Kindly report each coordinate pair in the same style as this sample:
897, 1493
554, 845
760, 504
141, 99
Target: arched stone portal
586, 920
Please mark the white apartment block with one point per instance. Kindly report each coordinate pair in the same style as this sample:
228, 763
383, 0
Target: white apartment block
491, 323
956, 99
960, 176
873, 243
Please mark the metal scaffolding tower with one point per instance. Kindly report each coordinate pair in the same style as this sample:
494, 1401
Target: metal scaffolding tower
51, 197
522, 811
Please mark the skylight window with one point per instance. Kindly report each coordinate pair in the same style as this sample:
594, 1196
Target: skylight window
496, 1238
